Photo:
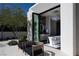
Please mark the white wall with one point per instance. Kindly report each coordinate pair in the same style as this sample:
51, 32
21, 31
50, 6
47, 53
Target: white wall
68, 30
29, 27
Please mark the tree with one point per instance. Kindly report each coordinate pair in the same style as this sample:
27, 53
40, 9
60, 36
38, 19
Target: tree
19, 19
4, 18
12, 19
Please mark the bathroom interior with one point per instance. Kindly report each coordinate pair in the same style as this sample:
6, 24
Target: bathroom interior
50, 28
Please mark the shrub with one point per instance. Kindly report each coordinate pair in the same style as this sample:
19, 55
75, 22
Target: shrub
23, 39
11, 43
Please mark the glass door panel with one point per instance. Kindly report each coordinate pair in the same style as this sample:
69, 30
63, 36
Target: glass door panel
36, 27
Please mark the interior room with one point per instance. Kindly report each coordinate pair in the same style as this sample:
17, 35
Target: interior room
50, 28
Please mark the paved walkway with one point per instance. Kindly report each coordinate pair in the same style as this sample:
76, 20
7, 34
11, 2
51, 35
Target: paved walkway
6, 50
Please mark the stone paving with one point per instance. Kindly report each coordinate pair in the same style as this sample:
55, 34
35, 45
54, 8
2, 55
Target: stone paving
6, 50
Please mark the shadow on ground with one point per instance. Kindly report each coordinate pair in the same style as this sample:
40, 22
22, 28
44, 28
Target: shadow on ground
45, 53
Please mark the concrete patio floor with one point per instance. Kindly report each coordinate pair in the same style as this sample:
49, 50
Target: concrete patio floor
6, 50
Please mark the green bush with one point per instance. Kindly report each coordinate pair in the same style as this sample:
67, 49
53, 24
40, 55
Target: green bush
11, 43
23, 39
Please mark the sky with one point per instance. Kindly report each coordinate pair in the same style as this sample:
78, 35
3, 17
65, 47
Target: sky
23, 6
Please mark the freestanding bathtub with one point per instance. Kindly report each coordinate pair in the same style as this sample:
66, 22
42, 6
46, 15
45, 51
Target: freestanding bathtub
54, 41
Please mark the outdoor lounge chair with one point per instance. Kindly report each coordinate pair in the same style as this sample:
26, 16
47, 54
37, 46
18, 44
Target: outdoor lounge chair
32, 48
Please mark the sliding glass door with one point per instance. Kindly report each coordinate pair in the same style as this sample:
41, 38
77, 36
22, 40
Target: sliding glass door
35, 26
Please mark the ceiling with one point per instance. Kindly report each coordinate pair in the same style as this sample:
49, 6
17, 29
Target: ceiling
52, 12
41, 7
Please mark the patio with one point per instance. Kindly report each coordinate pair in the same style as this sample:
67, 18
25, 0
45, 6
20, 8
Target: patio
6, 50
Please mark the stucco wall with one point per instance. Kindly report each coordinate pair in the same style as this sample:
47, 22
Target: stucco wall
68, 39
11, 35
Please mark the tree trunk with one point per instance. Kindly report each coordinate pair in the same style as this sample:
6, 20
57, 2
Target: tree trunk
13, 30
2, 32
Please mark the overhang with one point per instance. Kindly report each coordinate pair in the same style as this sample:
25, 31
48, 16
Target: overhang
41, 7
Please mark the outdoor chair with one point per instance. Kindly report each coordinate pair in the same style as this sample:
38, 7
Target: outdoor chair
37, 49
32, 48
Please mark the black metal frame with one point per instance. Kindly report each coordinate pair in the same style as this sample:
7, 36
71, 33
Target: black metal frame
33, 25
39, 20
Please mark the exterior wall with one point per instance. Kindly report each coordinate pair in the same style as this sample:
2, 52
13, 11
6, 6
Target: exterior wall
68, 30
11, 34
29, 26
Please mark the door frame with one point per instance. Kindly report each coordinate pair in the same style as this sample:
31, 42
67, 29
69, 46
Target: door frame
39, 20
